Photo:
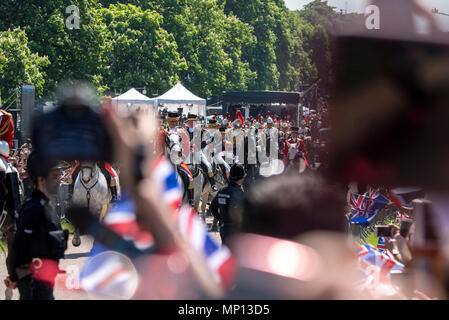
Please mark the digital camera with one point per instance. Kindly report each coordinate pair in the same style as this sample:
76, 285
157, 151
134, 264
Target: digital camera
74, 130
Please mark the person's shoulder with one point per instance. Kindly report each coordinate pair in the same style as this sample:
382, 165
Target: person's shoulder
225, 190
33, 200
31, 203
30, 208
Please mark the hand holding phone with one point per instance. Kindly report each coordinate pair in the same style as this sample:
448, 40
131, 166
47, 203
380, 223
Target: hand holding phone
406, 228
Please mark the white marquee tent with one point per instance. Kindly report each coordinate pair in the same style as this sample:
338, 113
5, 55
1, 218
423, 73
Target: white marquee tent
180, 97
132, 100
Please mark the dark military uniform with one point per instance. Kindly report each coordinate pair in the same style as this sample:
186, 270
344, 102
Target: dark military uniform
228, 201
39, 235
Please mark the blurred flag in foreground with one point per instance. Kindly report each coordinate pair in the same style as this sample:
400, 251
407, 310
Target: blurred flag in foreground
402, 197
381, 244
122, 220
218, 258
375, 269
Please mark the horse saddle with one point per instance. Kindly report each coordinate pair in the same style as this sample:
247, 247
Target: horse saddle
194, 170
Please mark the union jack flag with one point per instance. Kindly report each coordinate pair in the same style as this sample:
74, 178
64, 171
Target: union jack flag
122, 220
381, 244
401, 216
218, 258
365, 208
375, 268
402, 197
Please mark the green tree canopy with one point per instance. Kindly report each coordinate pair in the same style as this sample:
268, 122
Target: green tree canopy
77, 54
143, 53
211, 43
18, 66
263, 16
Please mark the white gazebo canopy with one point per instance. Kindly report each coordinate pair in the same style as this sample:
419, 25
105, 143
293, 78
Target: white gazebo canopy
132, 100
180, 97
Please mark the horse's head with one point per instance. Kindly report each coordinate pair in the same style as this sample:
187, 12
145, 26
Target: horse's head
174, 142
174, 147
88, 171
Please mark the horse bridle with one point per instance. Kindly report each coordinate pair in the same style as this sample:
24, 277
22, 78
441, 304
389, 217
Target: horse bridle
88, 189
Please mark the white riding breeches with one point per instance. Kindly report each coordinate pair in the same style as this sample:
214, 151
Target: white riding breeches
219, 159
206, 162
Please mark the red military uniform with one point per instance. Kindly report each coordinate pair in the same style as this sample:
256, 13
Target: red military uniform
6, 134
107, 166
160, 143
288, 144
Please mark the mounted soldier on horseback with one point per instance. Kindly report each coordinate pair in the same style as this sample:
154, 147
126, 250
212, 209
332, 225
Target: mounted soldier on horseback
10, 198
174, 143
294, 150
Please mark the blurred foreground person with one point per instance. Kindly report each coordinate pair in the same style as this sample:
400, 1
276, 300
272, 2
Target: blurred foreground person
292, 244
174, 268
39, 242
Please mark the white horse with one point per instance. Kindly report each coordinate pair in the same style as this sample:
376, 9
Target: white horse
173, 142
91, 190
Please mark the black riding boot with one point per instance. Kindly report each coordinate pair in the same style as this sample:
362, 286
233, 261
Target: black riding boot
212, 182
69, 194
214, 225
210, 176
225, 174
113, 194
191, 197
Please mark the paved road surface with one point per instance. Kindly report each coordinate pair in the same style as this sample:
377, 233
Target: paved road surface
74, 259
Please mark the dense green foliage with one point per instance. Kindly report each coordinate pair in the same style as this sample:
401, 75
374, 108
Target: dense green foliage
18, 66
209, 45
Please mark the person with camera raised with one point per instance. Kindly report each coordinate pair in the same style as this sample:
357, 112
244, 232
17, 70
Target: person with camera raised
39, 242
